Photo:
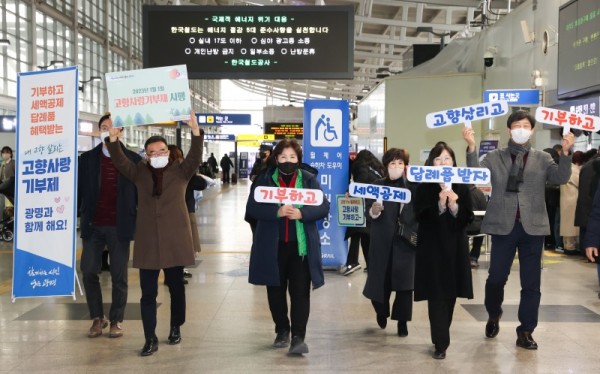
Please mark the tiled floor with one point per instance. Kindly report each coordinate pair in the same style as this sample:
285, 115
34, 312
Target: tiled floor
229, 328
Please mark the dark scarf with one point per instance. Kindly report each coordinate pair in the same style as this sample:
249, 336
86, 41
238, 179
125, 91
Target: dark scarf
157, 178
516, 170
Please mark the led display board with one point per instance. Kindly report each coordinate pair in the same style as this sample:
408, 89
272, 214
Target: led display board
284, 130
251, 42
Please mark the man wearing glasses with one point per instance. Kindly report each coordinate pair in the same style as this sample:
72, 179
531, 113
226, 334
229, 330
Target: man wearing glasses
107, 204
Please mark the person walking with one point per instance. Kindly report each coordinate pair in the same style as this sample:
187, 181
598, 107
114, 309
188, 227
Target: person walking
443, 271
392, 248
286, 247
107, 206
516, 218
163, 237
226, 166
366, 168
212, 162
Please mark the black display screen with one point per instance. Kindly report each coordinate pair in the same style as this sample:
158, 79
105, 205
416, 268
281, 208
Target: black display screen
285, 130
251, 42
579, 48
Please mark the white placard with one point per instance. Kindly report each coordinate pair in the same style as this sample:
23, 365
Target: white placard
466, 114
379, 192
567, 120
288, 196
448, 174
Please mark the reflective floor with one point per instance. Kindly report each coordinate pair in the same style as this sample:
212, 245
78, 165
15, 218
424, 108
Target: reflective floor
229, 327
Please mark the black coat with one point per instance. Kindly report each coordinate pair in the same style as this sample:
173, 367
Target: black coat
88, 190
197, 183
585, 198
443, 269
264, 269
362, 173
387, 246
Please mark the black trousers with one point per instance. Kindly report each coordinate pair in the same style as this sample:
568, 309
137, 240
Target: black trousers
440, 319
149, 285
294, 277
403, 302
476, 248
362, 239
91, 263
225, 176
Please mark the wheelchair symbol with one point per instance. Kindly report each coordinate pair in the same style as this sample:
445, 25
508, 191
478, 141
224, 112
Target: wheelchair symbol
329, 132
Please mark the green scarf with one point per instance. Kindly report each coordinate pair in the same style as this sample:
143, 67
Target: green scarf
300, 235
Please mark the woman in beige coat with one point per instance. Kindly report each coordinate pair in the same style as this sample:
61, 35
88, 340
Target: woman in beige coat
163, 237
568, 202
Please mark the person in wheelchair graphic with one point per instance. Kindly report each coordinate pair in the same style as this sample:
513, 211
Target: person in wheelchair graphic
329, 132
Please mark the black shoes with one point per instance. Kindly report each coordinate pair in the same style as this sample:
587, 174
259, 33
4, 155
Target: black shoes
525, 340
382, 321
402, 329
298, 346
174, 336
282, 339
439, 354
186, 273
492, 327
150, 347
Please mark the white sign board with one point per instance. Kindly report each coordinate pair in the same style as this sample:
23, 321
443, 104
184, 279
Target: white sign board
466, 114
380, 193
288, 196
448, 174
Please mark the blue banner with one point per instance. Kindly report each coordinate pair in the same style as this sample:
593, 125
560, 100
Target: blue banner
219, 137
513, 97
218, 119
326, 142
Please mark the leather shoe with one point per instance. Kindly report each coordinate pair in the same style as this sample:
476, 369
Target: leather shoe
282, 339
150, 347
439, 354
492, 327
402, 329
382, 321
298, 346
525, 340
174, 336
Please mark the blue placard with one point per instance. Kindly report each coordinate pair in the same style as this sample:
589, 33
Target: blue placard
219, 137
218, 119
487, 146
326, 139
513, 97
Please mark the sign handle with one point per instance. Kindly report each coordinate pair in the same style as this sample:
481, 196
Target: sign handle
468, 124
566, 129
448, 186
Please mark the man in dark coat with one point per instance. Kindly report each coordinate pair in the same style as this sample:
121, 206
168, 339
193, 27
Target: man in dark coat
107, 204
212, 162
226, 165
588, 181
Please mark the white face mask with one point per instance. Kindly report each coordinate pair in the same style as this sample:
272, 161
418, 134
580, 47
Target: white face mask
159, 162
104, 135
395, 173
520, 135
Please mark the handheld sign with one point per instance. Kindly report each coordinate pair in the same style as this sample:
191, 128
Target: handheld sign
567, 120
288, 196
351, 211
466, 114
380, 193
448, 175
147, 96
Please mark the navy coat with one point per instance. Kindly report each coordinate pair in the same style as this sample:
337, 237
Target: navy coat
88, 191
264, 269
387, 246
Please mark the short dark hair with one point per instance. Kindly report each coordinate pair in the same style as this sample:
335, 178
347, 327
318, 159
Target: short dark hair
395, 154
7, 149
437, 150
288, 143
578, 158
519, 115
175, 153
155, 139
103, 118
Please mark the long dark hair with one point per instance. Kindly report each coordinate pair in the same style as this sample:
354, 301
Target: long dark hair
366, 158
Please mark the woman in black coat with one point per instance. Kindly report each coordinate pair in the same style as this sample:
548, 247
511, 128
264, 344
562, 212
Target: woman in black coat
392, 256
286, 247
443, 270
366, 168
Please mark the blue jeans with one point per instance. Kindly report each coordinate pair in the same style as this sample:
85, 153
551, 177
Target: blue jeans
91, 262
530, 256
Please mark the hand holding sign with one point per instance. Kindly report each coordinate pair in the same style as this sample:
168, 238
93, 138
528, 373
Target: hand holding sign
469, 136
113, 133
567, 142
376, 208
193, 123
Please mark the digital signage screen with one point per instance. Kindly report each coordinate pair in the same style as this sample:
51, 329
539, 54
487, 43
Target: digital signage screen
251, 42
579, 48
285, 130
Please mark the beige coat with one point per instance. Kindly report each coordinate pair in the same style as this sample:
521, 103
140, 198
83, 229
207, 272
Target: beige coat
568, 201
163, 236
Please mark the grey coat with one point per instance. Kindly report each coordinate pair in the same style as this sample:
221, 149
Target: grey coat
502, 207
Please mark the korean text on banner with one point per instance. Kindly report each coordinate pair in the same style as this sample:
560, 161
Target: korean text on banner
563, 118
45, 212
288, 196
466, 114
147, 96
378, 192
351, 211
448, 174
326, 142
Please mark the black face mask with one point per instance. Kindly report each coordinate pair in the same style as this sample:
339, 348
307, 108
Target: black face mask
263, 155
288, 167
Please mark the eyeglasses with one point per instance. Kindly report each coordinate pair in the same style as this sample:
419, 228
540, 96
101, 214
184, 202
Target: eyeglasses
445, 159
160, 154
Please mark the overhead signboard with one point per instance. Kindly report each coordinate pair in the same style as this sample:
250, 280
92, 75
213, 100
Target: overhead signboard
254, 137
219, 137
513, 97
251, 42
217, 119
285, 130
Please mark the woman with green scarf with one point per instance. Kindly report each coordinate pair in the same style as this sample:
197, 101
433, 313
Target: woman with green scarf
286, 249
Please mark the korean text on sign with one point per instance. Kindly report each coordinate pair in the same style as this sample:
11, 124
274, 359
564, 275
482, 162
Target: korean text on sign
448, 174
288, 196
351, 211
377, 192
563, 118
466, 114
